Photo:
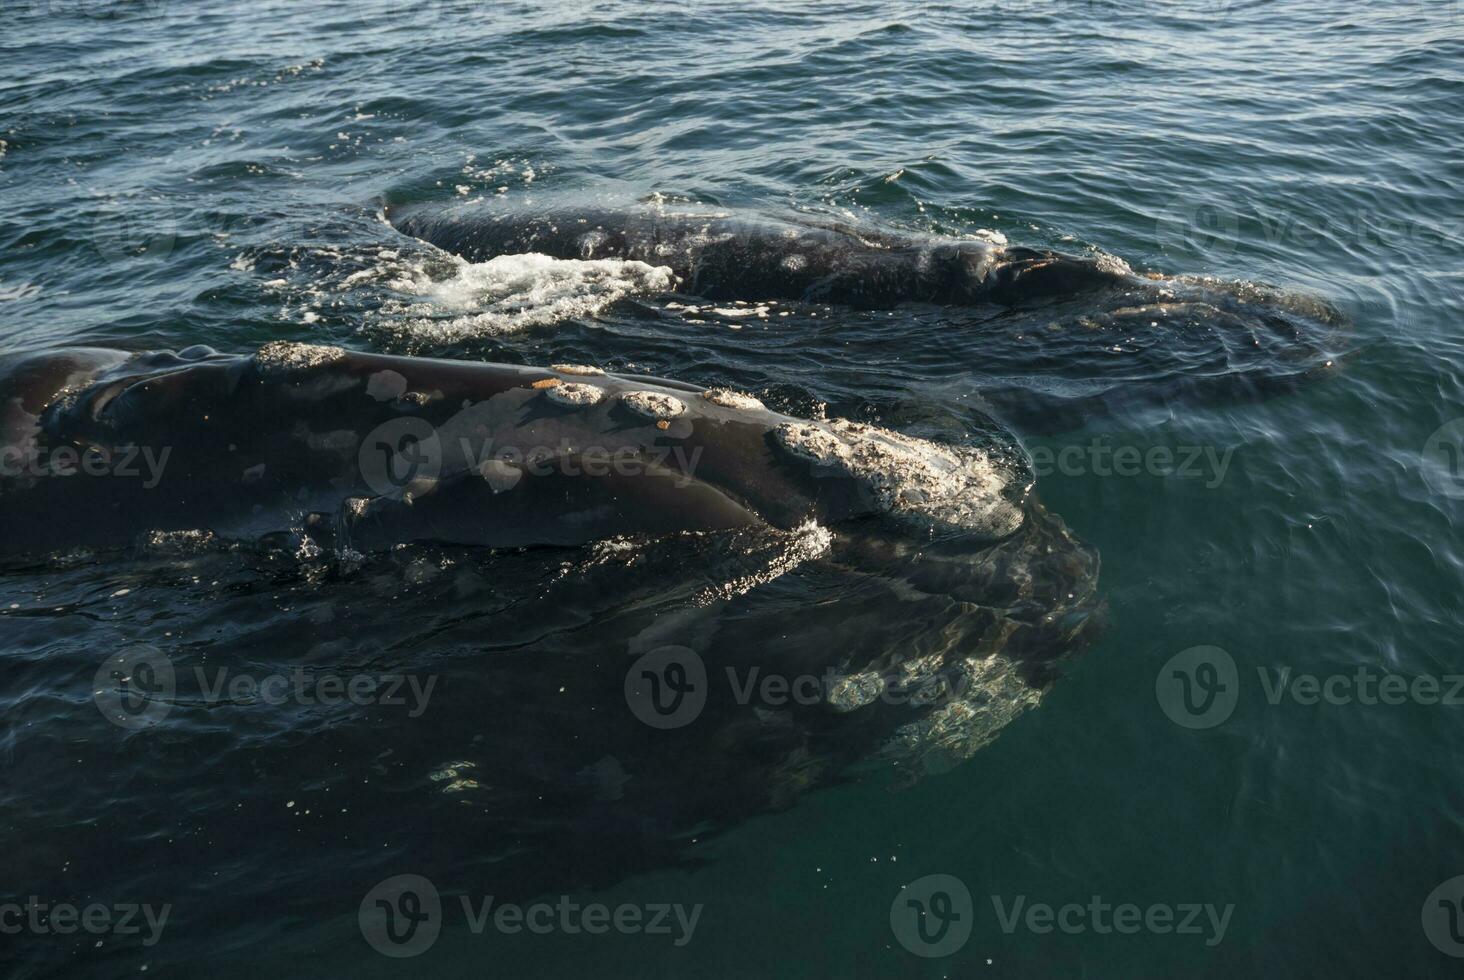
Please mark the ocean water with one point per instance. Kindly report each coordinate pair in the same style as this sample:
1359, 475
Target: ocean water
1284, 554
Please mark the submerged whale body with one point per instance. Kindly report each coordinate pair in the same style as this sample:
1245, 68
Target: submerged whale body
921, 584
1048, 339
729, 256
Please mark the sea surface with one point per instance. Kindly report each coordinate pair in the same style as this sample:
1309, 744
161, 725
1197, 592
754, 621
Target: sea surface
175, 174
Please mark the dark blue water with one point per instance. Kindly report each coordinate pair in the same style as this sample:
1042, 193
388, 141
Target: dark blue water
176, 174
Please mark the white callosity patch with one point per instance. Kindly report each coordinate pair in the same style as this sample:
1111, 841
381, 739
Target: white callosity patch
512, 292
727, 398
284, 355
576, 395
653, 404
580, 369
960, 487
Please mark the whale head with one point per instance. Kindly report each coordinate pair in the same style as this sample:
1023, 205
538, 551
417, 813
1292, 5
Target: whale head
977, 272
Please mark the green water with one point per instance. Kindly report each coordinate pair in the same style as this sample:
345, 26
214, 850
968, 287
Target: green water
201, 174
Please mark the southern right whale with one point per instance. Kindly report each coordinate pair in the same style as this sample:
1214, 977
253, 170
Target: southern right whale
754, 255
1048, 339
920, 583
387, 450
725, 255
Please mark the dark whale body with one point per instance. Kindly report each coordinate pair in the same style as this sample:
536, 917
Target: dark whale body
387, 450
356, 453
729, 256
934, 600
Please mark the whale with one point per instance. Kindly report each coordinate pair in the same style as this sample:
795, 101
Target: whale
1050, 340
730, 255
559, 547
340, 452
383, 450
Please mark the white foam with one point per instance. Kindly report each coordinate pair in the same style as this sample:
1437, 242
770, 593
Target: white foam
989, 236
509, 293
